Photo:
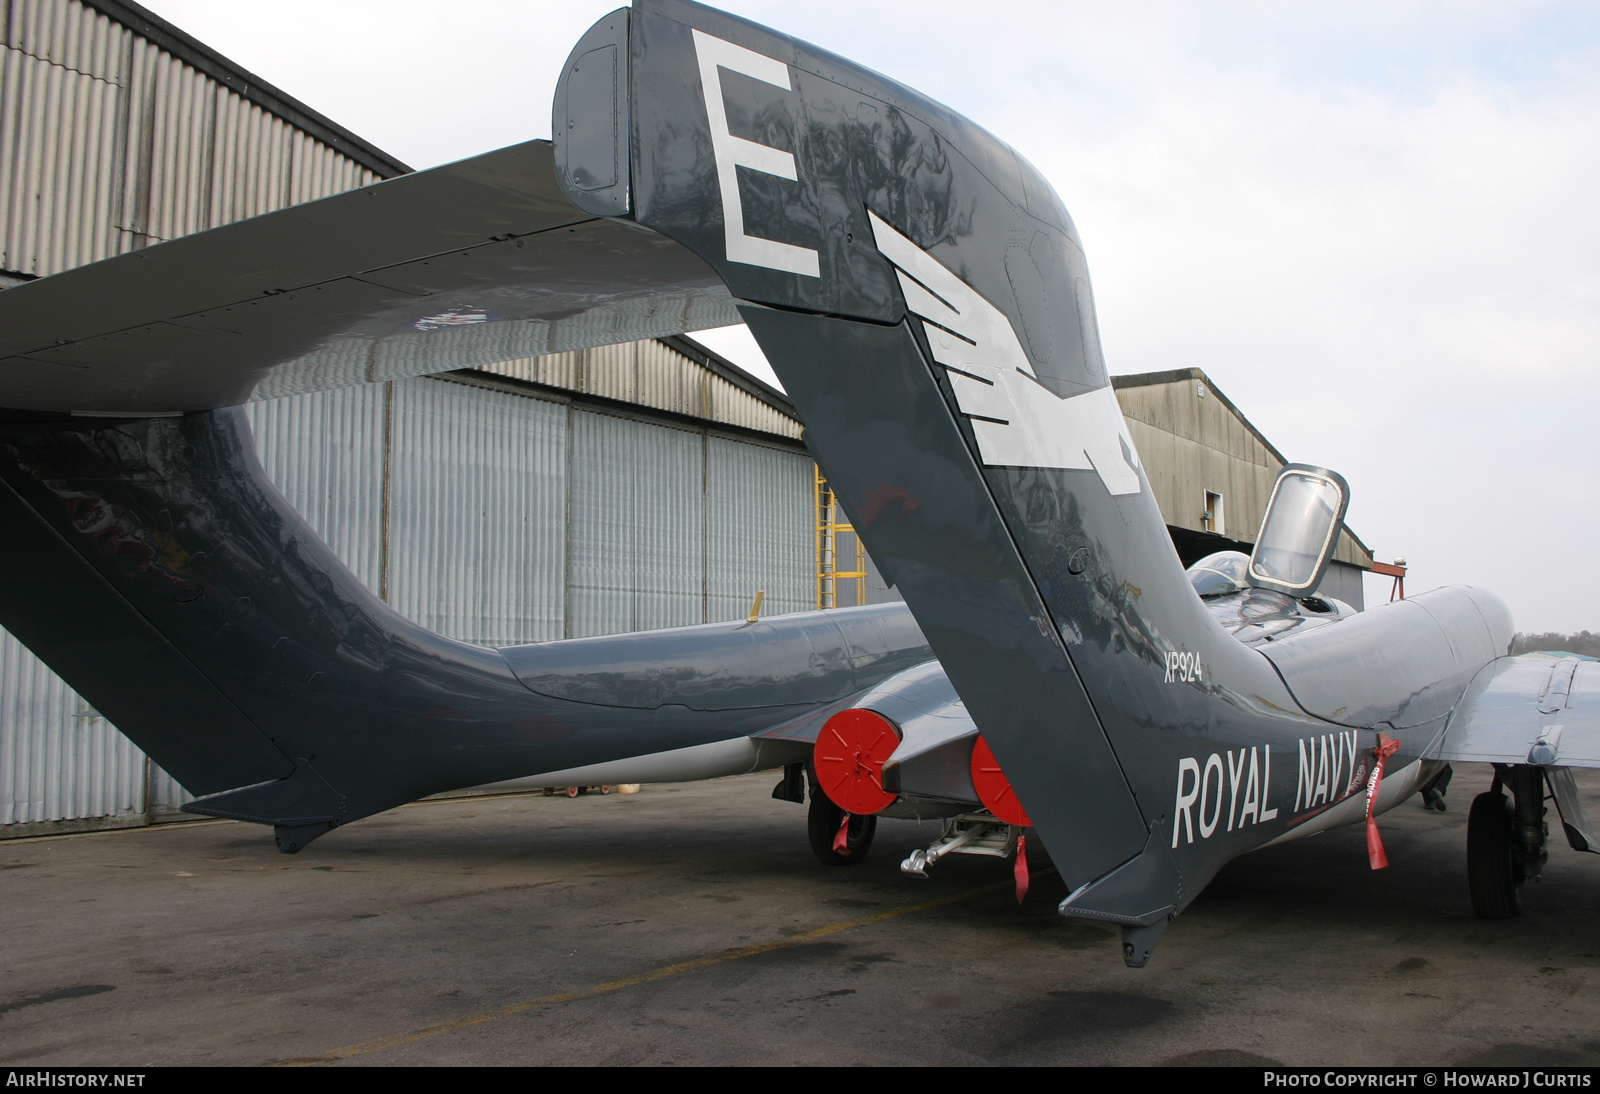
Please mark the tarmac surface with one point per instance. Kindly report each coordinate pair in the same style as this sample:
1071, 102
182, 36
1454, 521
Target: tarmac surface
689, 924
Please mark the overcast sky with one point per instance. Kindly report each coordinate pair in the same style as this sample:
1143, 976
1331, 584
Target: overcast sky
1374, 226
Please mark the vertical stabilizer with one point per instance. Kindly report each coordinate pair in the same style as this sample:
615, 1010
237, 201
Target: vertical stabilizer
939, 339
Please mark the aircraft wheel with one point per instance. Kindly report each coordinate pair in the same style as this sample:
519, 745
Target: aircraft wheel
605, 790
822, 826
572, 792
1492, 873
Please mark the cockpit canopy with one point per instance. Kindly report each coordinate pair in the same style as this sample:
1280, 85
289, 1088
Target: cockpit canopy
1300, 530
1221, 574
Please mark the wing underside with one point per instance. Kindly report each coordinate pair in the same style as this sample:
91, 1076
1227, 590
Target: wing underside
1539, 709
461, 266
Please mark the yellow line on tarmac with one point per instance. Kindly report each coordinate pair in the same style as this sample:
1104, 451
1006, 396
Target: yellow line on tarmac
361, 1049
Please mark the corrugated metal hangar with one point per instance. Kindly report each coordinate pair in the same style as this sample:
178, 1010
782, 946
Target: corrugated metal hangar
645, 485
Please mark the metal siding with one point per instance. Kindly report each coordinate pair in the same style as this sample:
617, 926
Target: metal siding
180, 199
477, 512
637, 526
59, 759
600, 526
58, 99
556, 369
67, 34
610, 371
324, 452
732, 406
165, 798
563, 370
652, 374
107, 144
670, 381
57, 167
759, 514
320, 171
161, 177
477, 500
251, 147
138, 136
1343, 582
1191, 444
669, 528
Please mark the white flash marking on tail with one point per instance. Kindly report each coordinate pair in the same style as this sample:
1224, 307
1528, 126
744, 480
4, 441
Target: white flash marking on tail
1018, 422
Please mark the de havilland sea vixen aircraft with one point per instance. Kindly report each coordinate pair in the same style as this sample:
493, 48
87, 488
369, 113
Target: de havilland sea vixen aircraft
923, 295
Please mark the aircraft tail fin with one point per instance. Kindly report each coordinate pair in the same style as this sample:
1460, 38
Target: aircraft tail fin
924, 297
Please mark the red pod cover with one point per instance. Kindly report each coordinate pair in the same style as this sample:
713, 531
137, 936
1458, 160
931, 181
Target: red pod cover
849, 757
994, 789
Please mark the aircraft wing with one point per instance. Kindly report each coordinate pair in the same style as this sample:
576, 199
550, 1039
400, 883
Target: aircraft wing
1535, 708
460, 266
1540, 709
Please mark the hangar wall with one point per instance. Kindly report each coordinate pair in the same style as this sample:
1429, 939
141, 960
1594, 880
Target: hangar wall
118, 130
501, 516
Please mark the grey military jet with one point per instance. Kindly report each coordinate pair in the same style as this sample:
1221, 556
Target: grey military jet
924, 297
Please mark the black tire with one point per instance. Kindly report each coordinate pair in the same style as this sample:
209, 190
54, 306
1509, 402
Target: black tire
1492, 869
822, 825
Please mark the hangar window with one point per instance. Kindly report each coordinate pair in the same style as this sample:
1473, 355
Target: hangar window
1211, 515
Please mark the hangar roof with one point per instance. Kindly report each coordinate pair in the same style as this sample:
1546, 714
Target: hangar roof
676, 375
194, 53
1194, 441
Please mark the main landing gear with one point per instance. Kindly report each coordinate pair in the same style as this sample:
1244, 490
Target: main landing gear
1507, 840
834, 840
823, 828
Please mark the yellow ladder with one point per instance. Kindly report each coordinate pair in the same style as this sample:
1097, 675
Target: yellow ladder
829, 525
